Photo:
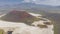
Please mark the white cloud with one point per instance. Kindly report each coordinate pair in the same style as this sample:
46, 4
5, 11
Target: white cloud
46, 2
28, 1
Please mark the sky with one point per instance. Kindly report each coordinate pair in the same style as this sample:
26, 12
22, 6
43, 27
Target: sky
44, 2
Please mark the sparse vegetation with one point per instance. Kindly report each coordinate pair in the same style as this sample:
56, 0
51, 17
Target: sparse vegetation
19, 16
48, 23
42, 26
1, 31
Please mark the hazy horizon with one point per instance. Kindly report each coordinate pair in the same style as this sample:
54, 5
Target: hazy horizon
44, 2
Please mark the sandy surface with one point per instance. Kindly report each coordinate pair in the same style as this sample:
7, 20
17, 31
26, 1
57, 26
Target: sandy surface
26, 29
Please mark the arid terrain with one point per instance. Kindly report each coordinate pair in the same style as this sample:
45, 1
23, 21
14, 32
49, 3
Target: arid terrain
38, 26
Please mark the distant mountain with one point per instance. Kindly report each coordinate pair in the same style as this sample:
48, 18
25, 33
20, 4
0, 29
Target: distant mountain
32, 7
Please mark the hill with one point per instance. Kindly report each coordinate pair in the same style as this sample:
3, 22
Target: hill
19, 16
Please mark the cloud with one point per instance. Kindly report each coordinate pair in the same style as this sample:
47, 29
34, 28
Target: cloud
46, 2
26, 1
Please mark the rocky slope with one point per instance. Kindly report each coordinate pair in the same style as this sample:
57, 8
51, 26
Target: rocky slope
42, 26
